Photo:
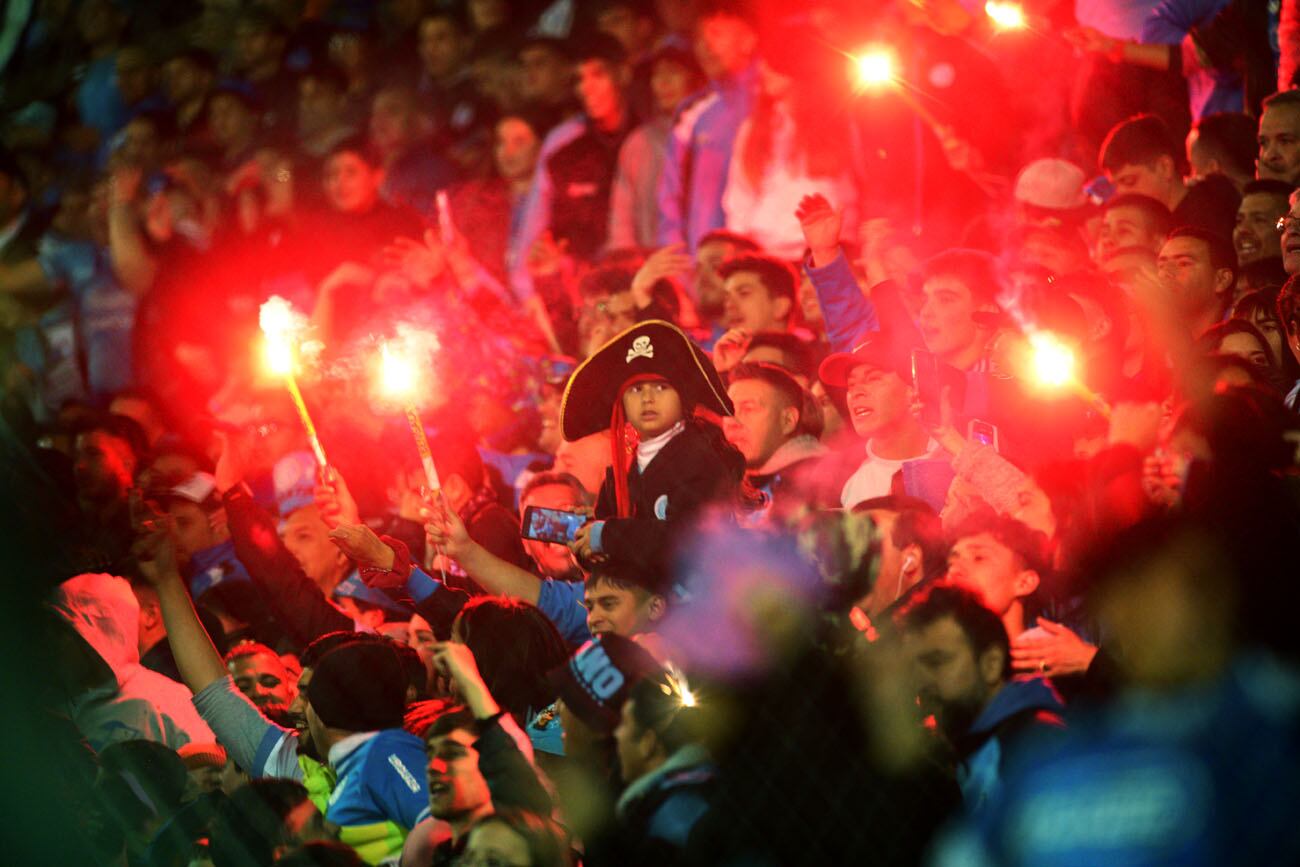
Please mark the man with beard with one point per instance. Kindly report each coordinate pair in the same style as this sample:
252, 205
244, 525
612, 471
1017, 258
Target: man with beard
261, 674
963, 667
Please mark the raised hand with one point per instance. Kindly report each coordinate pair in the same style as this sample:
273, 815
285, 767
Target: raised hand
821, 225
1051, 650
664, 263
334, 500
444, 530
362, 546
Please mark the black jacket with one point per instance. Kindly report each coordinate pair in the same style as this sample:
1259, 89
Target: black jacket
686, 475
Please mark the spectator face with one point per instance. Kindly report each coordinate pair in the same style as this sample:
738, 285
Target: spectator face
308, 540
265, 680
749, 304
350, 183
550, 438
98, 22
1194, 286
670, 82
762, 423
1255, 236
984, 564
1247, 347
135, 75
231, 122
441, 47
554, 559
1054, 251
1291, 239
1279, 143
298, 713
953, 684
419, 634
104, 467
393, 122
599, 90
1125, 227
879, 400
319, 105
948, 317
190, 529
1153, 179
652, 408
602, 318
184, 80
456, 785
547, 75
724, 45
486, 14
636, 748
495, 843
618, 610
140, 143
516, 149
633, 32
832, 421
585, 459
709, 287
256, 46
1272, 331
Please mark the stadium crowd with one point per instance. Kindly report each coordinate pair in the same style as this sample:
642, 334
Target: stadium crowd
857, 432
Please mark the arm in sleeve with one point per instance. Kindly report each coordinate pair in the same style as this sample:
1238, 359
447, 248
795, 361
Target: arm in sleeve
672, 195
511, 778
257, 745
298, 603
847, 312
561, 601
1172, 20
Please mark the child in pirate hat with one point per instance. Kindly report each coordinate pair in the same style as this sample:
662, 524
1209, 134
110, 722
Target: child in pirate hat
644, 387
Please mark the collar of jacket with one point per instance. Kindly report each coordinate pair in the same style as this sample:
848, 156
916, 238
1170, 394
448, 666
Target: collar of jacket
688, 756
791, 451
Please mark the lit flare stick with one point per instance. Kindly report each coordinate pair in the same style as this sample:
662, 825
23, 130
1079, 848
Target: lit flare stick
1006, 15
281, 327
398, 380
1052, 365
876, 68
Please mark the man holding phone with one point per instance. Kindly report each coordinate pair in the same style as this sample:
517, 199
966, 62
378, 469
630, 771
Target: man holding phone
880, 395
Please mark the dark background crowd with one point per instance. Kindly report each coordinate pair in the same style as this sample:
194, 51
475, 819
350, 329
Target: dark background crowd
866, 431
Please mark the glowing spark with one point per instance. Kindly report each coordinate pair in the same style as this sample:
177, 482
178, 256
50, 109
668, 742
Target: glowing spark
875, 67
1053, 361
397, 374
1006, 15
281, 326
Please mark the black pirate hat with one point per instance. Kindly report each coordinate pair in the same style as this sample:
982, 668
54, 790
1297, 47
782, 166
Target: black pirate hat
654, 348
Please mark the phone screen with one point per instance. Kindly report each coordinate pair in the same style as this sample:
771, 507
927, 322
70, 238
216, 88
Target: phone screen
983, 432
925, 380
551, 525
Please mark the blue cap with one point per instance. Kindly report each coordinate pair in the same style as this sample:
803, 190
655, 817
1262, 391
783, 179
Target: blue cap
295, 481
352, 587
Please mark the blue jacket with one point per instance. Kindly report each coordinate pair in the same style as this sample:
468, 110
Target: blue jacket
699, 156
1205, 774
848, 313
382, 778
1018, 706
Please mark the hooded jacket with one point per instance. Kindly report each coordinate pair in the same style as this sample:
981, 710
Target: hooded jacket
131, 702
657, 811
1021, 706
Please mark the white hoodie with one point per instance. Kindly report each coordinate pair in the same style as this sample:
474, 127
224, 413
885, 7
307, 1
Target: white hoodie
141, 704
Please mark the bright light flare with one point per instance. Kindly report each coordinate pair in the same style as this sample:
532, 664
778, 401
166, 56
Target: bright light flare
1006, 15
282, 326
875, 67
397, 374
1053, 361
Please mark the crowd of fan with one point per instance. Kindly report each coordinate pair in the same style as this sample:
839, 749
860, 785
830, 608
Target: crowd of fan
926, 447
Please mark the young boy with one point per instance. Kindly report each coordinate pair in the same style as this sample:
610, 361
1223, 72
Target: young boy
650, 378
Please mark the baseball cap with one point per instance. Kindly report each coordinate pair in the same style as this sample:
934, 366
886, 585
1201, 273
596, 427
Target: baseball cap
876, 349
200, 489
294, 476
1051, 184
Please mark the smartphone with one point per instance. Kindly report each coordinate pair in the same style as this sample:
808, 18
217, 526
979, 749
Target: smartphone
925, 381
983, 432
445, 230
551, 525
1099, 190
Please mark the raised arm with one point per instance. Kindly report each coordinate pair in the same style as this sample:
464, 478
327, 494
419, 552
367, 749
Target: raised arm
847, 312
